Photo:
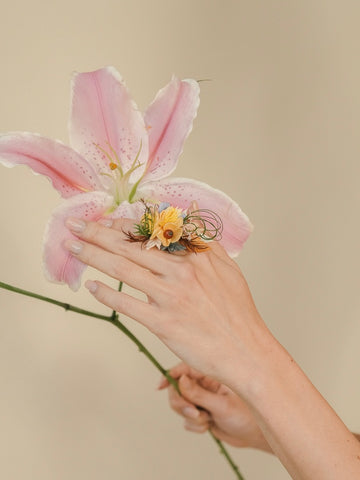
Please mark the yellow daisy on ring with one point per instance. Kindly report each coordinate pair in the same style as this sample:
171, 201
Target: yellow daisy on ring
168, 226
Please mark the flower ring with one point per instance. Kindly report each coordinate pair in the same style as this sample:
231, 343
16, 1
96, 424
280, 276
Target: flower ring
172, 229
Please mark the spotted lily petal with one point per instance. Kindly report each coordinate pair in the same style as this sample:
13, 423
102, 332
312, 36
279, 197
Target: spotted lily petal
128, 210
103, 114
180, 192
68, 171
169, 120
59, 265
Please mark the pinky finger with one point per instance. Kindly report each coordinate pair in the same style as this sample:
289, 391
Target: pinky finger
121, 302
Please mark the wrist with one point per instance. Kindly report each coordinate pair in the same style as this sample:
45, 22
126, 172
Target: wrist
252, 362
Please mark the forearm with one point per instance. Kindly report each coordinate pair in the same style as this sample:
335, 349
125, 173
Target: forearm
301, 428
263, 444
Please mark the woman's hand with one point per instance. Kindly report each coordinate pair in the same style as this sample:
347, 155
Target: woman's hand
221, 410
199, 305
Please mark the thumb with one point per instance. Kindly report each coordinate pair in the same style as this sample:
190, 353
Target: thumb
199, 396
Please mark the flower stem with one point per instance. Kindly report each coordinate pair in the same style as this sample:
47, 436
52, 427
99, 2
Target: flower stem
226, 454
66, 306
114, 319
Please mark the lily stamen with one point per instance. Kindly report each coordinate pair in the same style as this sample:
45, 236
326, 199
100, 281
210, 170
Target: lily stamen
117, 158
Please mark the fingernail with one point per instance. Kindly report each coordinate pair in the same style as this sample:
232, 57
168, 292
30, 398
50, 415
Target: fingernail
191, 412
75, 224
91, 286
162, 383
106, 222
73, 246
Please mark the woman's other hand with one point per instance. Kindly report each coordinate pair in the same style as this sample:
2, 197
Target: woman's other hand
221, 410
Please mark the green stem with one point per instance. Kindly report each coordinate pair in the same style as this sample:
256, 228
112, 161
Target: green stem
116, 322
226, 454
114, 319
66, 306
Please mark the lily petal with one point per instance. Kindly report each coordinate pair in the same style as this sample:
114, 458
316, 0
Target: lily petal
59, 265
169, 120
69, 173
129, 210
103, 114
180, 192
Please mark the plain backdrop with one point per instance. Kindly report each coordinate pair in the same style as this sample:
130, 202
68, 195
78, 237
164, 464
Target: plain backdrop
277, 130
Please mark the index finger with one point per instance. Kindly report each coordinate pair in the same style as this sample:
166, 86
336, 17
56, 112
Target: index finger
116, 241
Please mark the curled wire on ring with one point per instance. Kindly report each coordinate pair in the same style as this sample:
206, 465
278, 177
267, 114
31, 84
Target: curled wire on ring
204, 223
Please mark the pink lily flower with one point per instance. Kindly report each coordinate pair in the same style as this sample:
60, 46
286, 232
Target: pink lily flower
117, 157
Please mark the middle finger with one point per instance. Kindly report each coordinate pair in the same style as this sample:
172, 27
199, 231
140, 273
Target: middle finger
116, 241
116, 266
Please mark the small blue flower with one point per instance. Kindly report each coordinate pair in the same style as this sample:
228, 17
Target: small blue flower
173, 247
163, 206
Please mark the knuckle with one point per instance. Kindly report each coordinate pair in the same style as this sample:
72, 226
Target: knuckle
121, 224
116, 269
186, 271
119, 243
193, 395
92, 231
123, 303
118, 223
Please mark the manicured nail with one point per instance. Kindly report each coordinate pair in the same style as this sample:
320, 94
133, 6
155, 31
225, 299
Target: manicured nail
91, 286
162, 383
191, 412
75, 224
106, 222
73, 246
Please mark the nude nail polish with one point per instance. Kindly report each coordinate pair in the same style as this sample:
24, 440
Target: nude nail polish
74, 246
75, 224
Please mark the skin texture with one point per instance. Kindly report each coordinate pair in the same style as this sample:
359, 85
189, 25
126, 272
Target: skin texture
201, 304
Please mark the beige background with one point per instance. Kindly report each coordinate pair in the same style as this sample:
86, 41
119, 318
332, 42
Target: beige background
277, 130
